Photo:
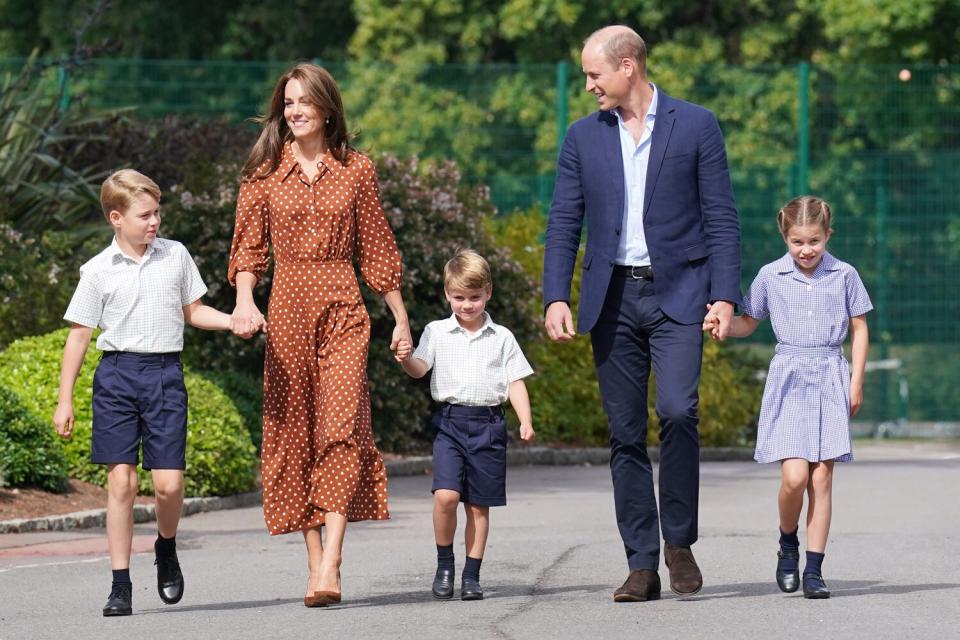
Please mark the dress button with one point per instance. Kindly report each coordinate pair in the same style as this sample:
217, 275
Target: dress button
809, 287
809, 313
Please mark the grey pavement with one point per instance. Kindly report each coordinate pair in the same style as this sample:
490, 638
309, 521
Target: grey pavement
552, 563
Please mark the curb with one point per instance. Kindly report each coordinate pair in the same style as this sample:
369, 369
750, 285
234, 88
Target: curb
420, 465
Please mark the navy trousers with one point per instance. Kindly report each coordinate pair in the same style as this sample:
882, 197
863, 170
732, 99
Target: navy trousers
631, 335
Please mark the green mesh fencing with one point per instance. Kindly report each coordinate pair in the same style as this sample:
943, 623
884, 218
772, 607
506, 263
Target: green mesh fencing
880, 143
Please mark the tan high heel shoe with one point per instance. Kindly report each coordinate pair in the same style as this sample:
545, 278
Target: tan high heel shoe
323, 598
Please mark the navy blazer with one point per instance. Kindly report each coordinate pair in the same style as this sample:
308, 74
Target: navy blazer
689, 216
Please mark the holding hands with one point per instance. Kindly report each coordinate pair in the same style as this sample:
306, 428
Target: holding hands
718, 319
247, 320
402, 342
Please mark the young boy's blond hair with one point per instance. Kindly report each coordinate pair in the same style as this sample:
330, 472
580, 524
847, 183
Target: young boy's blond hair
467, 270
118, 191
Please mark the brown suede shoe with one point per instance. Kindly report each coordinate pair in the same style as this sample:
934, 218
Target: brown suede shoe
685, 577
641, 585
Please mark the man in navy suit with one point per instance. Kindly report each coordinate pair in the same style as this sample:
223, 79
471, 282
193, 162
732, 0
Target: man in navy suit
663, 241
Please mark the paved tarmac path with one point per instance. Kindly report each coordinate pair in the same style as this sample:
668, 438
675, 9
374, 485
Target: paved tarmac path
553, 561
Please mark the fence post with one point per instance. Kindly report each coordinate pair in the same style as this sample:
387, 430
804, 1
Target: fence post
803, 127
883, 331
563, 77
63, 80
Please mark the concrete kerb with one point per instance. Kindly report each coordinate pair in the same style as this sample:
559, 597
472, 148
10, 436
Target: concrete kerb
420, 465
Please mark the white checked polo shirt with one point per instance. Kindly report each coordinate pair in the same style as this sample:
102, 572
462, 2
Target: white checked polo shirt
472, 370
138, 305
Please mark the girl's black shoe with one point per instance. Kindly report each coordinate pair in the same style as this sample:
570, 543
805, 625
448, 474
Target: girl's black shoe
120, 601
788, 580
814, 587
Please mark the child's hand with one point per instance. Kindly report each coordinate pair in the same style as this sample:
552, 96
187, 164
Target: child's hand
711, 323
63, 420
527, 434
856, 398
402, 350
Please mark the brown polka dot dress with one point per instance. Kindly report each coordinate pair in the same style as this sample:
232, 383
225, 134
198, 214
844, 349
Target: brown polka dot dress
318, 450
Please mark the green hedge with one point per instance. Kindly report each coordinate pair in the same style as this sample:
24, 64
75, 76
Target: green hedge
29, 453
221, 460
564, 395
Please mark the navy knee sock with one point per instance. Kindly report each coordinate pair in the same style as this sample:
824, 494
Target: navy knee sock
471, 568
814, 562
789, 542
121, 576
445, 556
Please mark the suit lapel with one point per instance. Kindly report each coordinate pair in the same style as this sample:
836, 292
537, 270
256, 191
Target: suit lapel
610, 142
662, 128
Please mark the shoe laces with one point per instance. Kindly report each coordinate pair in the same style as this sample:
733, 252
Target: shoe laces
169, 565
120, 590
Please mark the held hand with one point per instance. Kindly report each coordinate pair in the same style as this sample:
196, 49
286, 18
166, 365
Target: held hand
401, 334
710, 323
559, 322
247, 320
63, 420
723, 312
856, 398
527, 434
404, 349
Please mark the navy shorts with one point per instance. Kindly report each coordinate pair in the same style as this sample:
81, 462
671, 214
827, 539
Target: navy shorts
470, 453
139, 398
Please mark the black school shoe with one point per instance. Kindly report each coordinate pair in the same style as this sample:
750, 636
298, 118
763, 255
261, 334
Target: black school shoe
120, 601
470, 589
169, 578
788, 580
443, 584
814, 588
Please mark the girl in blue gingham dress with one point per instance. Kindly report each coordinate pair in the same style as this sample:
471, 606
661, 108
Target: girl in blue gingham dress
812, 299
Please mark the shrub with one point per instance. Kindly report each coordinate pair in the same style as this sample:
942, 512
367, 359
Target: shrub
29, 454
220, 457
565, 397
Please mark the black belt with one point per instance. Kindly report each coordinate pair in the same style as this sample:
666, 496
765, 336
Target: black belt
447, 409
636, 272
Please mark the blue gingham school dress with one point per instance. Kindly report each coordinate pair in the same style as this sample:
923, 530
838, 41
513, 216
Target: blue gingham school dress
806, 399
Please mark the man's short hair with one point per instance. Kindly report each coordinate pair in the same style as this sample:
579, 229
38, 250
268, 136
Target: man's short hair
118, 191
621, 42
467, 270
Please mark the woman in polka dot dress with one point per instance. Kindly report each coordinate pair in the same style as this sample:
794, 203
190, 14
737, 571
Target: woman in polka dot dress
316, 199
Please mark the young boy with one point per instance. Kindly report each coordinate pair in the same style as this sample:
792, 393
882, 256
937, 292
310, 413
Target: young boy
138, 291
477, 365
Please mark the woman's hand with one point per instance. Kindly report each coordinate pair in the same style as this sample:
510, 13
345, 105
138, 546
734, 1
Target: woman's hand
401, 342
247, 319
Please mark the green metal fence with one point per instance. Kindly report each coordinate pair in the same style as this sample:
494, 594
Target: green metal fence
881, 143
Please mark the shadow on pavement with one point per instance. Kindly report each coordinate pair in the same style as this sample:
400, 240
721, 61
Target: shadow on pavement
387, 599
839, 588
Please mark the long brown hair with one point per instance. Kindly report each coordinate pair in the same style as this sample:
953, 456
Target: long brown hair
321, 89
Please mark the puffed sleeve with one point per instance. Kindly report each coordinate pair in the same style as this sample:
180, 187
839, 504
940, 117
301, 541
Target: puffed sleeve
755, 302
376, 246
858, 300
251, 232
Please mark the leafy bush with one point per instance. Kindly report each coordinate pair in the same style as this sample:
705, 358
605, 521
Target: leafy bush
220, 457
564, 394
29, 454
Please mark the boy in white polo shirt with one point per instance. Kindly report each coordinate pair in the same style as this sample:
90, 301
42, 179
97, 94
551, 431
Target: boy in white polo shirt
477, 365
138, 291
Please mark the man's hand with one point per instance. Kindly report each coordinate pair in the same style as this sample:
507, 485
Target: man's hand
718, 319
559, 322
